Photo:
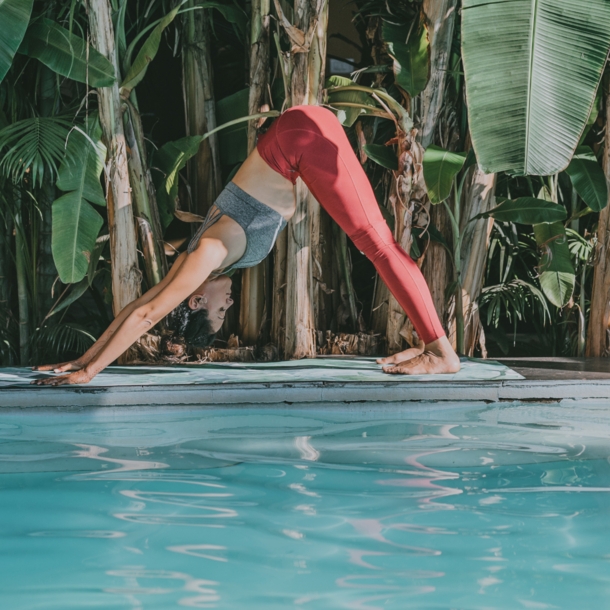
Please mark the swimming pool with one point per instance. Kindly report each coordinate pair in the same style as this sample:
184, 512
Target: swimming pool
365, 507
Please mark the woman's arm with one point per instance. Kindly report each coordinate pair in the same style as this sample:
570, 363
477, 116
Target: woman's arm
79, 363
190, 274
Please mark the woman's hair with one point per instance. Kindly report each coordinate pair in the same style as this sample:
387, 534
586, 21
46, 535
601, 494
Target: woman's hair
193, 325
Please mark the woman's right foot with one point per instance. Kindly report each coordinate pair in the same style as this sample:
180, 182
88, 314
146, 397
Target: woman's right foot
438, 357
407, 354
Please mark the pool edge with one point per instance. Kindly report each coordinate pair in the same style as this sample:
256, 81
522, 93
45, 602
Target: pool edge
303, 393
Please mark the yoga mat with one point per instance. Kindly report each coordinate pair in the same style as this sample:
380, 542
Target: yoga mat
293, 371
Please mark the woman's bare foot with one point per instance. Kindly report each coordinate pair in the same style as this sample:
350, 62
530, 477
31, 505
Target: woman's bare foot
437, 357
408, 354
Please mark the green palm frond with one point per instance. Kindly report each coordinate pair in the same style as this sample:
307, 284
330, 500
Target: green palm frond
581, 249
32, 148
9, 338
61, 341
512, 300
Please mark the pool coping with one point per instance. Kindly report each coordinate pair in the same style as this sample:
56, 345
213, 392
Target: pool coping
71, 398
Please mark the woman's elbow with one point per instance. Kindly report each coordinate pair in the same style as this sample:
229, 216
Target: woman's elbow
145, 317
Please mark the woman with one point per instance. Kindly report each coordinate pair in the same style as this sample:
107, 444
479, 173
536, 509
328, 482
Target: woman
240, 230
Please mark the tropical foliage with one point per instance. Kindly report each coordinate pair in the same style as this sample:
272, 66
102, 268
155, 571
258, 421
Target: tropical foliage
481, 130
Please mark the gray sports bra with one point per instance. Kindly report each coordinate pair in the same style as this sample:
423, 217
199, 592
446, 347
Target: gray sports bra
260, 223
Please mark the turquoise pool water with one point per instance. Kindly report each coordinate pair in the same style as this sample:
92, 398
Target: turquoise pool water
476, 506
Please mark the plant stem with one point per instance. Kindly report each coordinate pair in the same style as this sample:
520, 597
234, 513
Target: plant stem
253, 280
22, 291
454, 216
582, 322
200, 108
144, 201
123, 251
343, 263
575, 220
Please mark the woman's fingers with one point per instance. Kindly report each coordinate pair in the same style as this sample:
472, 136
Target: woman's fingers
58, 368
48, 380
69, 366
47, 367
64, 367
69, 379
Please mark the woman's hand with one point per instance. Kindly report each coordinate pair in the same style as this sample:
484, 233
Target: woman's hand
64, 367
82, 376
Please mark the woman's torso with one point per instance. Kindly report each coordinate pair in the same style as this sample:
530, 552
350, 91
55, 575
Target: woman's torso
249, 214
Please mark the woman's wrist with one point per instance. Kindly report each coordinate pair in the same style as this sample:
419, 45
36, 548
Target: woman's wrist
90, 370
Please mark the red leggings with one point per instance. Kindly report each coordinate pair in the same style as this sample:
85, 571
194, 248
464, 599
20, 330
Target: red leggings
309, 142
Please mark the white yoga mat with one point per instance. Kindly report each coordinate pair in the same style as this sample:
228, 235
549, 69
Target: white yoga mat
319, 369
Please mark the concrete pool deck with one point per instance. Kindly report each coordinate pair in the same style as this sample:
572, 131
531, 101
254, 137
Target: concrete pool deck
324, 380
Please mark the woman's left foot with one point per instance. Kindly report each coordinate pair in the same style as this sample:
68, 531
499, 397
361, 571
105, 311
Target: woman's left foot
437, 357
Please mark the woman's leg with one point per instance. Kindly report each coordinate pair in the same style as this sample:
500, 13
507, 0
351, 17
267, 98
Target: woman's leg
309, 142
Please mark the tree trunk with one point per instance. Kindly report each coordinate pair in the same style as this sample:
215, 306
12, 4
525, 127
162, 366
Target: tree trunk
478, 198
388, 316
440, 20
200, 110
125, 272
326, 288
306, 85
299, 340
599, 320
407, 195
437, 266
400, 199
252, 305
278, 312
321, 258
381, 294
144, 201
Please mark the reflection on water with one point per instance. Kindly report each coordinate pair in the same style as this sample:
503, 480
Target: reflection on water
371, 508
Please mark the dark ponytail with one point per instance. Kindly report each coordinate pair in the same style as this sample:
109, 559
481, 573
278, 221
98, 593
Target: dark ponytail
193, 325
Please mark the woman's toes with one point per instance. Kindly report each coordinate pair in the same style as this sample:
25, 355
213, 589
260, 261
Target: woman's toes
387, 360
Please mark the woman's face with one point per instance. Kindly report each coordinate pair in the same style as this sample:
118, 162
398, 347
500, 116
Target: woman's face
215, 296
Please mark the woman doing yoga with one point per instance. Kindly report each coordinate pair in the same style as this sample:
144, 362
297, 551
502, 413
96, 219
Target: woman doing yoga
240, 230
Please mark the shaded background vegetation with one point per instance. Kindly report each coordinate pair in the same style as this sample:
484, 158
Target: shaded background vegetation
49, 316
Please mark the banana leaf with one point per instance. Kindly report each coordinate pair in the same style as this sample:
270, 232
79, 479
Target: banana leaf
382, 155
67, 54
527, 211
588, 179
409, 49
532, 68
233, 141
146, 54
75, 223
232, 13
172, 157
169, 160
440, 169
347, 115
14, 19
557, 276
